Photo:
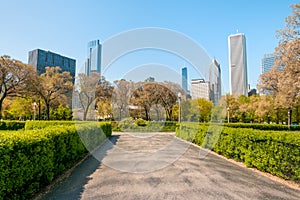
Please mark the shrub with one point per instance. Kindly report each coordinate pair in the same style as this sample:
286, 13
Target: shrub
11, 125
31, 159
276, 152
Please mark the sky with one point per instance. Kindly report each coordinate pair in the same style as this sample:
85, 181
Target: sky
65, 27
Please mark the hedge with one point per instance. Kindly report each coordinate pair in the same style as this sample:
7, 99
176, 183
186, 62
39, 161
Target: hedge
274, 127
11, 125
276, 152
31, 159
141, 125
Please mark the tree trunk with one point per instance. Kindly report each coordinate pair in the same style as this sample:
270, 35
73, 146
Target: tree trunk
47, 110
1, 102
289, 117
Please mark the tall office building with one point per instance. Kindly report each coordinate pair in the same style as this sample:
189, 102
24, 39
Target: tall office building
238, 64
93, 61
184, 78
41, 59
200, 89
215, 81
267, 62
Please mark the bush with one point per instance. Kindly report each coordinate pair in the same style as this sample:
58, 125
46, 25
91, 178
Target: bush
273, 127
11, 125
276, 152
31, 159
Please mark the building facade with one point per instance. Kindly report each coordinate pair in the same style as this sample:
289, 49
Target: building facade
238, 64
267, 62
184, 79
200, 89
41, 59
93, 61
215, 81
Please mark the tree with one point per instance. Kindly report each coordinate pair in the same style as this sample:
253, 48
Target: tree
14, 76
86, 91
51, 85
121, 97
61, 113
20, 108
283, 80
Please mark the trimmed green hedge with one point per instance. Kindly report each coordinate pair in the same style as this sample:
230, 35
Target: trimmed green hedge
273, 127
276, 152
31, 159
140, 125
11, 125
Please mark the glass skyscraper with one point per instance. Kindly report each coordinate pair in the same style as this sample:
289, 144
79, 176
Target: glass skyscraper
93, 61
238, 64
267, 62
41, 59
215, 81
184, 78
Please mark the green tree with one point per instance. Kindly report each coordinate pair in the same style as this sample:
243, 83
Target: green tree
61, 113
14, 77
51, 85
21, 108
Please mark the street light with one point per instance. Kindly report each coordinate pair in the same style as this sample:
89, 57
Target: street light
179, 108
228, 120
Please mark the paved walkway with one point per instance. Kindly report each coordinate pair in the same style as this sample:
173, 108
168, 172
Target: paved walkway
159, 166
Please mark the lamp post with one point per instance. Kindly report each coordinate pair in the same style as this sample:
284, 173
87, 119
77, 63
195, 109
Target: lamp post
228, 120
34, 110
179, 108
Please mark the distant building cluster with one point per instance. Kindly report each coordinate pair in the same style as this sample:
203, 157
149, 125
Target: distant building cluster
210, 89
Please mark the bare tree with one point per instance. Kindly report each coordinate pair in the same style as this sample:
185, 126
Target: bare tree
86, 90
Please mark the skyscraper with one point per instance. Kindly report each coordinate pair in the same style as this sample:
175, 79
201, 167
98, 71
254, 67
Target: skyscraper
200, 89
184, 79
41, 59
93, 61
267, 62
215, 81
238, 64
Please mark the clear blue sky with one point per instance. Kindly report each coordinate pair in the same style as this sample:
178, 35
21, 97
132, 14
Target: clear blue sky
65, 27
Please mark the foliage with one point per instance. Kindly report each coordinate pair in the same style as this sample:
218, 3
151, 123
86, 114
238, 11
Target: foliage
31, 159
141, 125
276, 152
51, 86
20, 108
282, 81
14, 78
11, 125
61, 113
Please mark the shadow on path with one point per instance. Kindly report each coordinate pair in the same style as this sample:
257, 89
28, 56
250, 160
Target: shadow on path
73, 186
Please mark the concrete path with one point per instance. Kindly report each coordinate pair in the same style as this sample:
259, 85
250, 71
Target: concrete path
160, 166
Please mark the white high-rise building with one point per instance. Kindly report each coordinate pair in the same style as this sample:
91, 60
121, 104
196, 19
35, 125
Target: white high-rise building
215, 81
238, 64
200, 89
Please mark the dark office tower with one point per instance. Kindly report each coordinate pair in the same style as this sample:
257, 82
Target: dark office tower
41, 59
184, 78
93, 61
238, 64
